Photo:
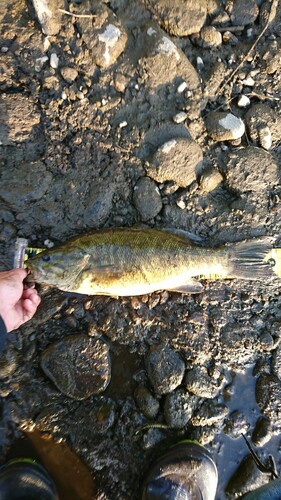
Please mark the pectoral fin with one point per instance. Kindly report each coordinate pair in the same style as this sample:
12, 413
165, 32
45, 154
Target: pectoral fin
194, 238
192, 286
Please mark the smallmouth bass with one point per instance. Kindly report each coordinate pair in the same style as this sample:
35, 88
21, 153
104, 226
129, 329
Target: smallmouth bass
137, 261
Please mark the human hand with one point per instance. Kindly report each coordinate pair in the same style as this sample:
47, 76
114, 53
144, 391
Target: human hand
18, 303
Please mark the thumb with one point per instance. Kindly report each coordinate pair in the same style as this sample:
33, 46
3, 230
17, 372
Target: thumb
19, 274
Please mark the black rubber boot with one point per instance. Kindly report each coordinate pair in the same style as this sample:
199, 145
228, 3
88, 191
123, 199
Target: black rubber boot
25, 479
185, 472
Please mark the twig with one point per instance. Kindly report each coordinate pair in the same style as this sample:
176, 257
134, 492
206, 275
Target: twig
89, 16
273, 3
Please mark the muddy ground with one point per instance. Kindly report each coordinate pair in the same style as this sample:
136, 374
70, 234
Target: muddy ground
107, 121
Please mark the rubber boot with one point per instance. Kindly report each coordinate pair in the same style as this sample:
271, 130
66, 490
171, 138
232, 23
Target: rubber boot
25, 479
185, 472
270, 491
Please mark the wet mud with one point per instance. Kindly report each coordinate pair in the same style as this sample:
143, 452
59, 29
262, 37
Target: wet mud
136, 116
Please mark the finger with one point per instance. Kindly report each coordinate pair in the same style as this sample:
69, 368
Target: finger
29, 292
29, 309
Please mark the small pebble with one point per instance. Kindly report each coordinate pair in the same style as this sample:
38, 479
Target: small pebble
4, 49
180, 117
181, 88
54, 61
210, 179
210, 36
243, 101
123, 124
248, 82
265, 137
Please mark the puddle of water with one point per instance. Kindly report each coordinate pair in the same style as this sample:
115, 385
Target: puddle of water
72, 477
229, 452
123, 367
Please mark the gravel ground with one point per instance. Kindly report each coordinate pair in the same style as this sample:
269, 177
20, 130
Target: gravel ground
136, 115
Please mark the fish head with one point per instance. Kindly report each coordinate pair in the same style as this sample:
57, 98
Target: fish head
56, 267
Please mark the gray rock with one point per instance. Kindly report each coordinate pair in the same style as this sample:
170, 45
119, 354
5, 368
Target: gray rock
24, 182
246, 478
236, 424
262, 432
209, 413
180, 17
147, 198
268, 396
224, 126
98, 204
69, 74
260, 118
18, 119
163, 61
252, 169
147, 403
78, 365
276, 362
198, 382
176, 160
244, 12
165, 369
179, 407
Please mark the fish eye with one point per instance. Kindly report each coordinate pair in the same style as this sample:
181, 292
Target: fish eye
46, 258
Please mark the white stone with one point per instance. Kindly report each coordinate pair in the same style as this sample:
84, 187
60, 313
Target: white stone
166, 148
249, 82
54, 60
109, 37
151, 31
168, 47
181, 204
181, 88
236, 125
180, 117
123, 124
243, 101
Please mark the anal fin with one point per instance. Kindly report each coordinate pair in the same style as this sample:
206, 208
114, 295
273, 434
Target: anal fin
192, 286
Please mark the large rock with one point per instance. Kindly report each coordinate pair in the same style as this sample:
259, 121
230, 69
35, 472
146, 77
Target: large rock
180, 17
176, 160
252, 169
163, 62
78, 365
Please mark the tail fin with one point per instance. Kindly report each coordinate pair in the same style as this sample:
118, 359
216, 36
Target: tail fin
246, 259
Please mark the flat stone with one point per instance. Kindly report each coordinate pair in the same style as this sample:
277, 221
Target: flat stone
165, 369
224, 126
147, 198
176, 160
252, 169
18, 119
246, 478
78, 365
180, 17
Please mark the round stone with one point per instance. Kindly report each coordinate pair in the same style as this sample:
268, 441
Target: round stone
78, 365
224, 126
176, 160
165, 369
